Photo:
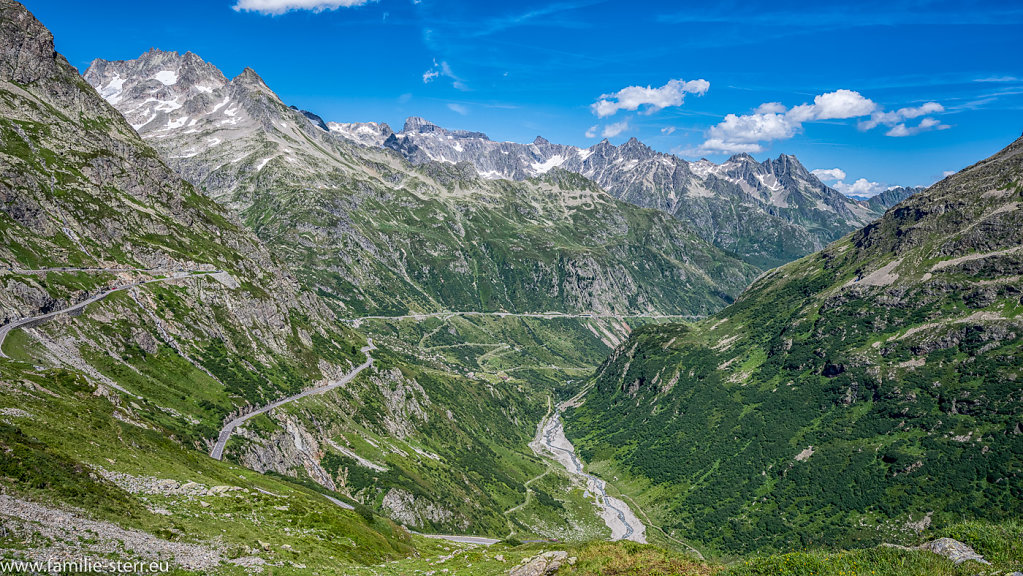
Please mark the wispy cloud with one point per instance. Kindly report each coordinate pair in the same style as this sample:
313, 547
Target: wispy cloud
276, 7
539, 16
892, 14
999, 79
443, 69
895, 120
459, 108
927, 124
609, 131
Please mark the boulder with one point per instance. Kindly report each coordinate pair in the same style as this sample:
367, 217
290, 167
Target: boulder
954, 550
542, 565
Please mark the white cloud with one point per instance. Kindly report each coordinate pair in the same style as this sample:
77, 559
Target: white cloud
653, 99
829, 174
667, 130
744, 133
282, 6
927, 124
861, 187
947, 173
458, 108
772, 121
612, 130
841, 104
591, 132
771, 108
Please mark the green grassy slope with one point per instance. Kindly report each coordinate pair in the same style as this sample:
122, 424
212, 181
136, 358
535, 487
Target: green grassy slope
852, 397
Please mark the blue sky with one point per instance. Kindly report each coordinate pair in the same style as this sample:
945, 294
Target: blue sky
892, 92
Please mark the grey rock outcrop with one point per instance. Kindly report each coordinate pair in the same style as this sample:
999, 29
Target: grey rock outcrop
541, 565
954, 550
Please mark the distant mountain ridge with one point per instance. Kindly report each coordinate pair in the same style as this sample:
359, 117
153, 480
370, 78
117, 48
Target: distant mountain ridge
768, 212
381, 234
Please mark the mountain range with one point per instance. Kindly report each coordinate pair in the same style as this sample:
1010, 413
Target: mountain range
767, 212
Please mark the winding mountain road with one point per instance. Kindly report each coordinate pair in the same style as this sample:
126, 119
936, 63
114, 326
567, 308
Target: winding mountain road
356, 322
36, 320
228, 429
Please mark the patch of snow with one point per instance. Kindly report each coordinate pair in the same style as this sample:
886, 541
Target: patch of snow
167, 77
221, 104
629, 164
584, 153
150, 119
263, 162
769, 181
112, 91
551, 163
704, 168
173, 124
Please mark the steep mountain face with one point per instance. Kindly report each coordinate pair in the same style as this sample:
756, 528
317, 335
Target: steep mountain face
80, 190
892, 196
107, 411
769, 213
858, 395
375, 233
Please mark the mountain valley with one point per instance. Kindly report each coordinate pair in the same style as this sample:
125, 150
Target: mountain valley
239, 338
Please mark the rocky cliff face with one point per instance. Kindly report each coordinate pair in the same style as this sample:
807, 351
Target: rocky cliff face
846, 396
768, 212
81, 191
892, 196
379, 234
137, 382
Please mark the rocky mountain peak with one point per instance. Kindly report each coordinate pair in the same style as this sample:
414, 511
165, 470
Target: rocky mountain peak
789, 165
249, 77
634, 149
416, 124
27, 53
541, 141
742, 157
